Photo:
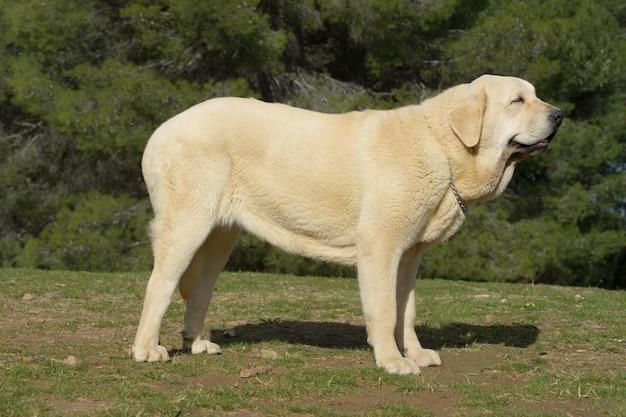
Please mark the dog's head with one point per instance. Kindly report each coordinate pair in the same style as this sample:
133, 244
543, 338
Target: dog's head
505, 112
486, 127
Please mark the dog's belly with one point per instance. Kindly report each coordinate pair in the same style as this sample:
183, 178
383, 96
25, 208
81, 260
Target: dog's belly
310, 242
313, 219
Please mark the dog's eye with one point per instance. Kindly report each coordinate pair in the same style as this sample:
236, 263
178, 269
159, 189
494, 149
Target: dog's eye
518, 100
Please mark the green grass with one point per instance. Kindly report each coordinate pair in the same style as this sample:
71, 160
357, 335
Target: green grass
508, 350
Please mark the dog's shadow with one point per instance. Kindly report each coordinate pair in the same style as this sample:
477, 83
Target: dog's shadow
349, 336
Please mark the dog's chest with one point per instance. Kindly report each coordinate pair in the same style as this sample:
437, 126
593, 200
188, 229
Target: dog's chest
445, 222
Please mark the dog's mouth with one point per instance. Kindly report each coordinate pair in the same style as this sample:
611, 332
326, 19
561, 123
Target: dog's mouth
535, 148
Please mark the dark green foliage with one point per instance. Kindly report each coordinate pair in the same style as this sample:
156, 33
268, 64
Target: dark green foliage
202, 41
84, 83
93, 232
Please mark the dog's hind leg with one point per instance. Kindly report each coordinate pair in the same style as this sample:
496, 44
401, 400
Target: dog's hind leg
176, 239
197, 283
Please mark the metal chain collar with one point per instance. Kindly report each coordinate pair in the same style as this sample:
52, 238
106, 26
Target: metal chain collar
458, 197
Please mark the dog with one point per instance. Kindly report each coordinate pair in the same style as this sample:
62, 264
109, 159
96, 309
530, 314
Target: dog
371, 188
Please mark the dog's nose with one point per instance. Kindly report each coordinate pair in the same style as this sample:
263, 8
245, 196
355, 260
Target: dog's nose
556, 116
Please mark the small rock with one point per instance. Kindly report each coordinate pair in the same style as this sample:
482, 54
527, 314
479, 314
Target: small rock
72, 361
27, 297
578, 298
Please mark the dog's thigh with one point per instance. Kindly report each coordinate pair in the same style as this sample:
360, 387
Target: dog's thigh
197, 286
406, 337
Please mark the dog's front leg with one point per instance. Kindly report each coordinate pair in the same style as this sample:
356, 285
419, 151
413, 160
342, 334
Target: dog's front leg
377, 284
406, 337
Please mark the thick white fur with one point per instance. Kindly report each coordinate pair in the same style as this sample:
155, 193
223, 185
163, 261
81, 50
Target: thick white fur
368, 188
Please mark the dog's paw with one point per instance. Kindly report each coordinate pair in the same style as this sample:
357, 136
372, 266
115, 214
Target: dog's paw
150, 354
424, 357
400, 366
201, 346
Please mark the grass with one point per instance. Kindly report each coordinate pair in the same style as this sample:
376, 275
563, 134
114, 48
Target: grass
514, 350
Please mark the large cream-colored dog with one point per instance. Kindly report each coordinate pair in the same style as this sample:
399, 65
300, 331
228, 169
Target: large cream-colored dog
371, 188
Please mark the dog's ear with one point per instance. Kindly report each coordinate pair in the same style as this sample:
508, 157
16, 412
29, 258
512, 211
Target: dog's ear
467, 119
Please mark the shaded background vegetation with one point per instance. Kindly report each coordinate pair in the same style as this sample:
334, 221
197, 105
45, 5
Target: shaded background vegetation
84, 83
